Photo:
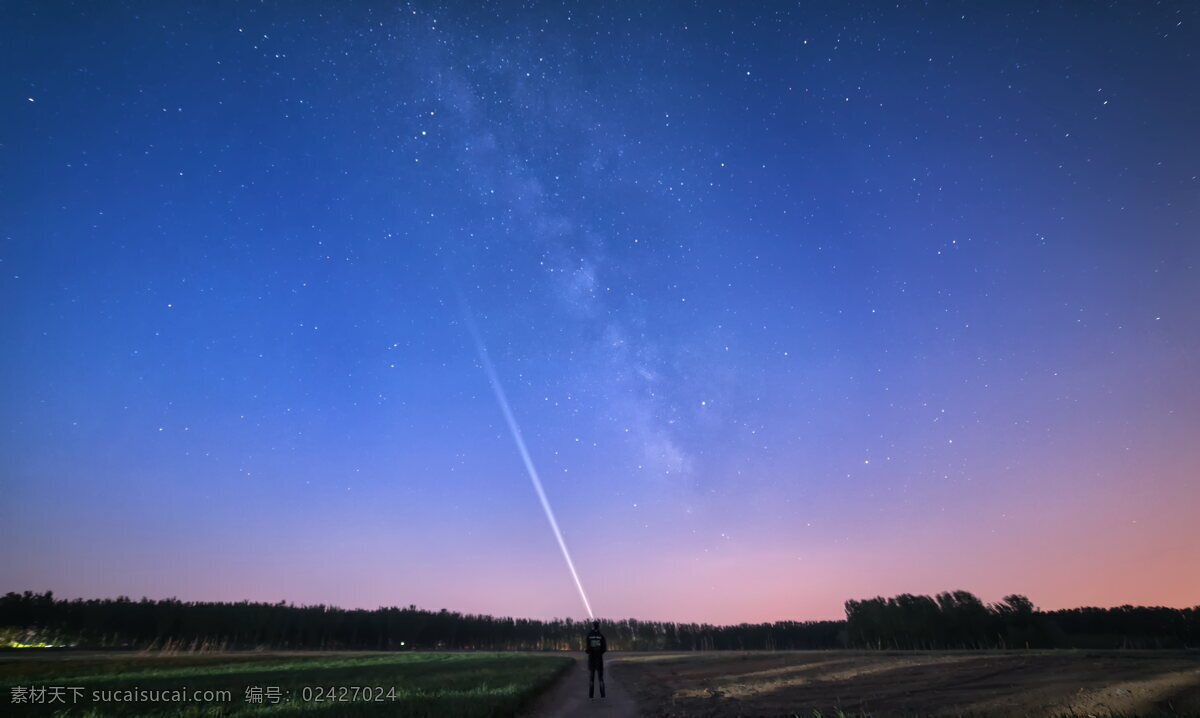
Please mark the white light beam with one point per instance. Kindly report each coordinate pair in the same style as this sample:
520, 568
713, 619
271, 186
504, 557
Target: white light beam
513, 428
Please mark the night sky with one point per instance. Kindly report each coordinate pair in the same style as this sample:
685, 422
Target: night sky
793, 303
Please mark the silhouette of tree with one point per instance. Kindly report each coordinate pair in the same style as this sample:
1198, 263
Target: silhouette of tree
954, 619
174, 624
958, 619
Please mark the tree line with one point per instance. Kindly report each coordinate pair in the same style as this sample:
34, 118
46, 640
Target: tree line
30, 618
950, 620
959, 620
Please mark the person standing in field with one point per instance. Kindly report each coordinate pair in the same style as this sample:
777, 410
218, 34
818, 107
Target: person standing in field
596, 645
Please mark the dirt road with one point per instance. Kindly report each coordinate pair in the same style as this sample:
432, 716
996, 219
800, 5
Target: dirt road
569, 697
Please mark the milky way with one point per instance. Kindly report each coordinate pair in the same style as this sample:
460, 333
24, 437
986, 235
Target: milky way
796, 303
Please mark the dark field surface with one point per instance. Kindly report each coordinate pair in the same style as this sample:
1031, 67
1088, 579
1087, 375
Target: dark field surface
908, 684
324, 684
1065, 683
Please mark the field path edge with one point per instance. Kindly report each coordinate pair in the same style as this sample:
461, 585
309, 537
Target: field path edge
567, 697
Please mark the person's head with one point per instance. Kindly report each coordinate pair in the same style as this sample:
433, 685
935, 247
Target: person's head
595, 625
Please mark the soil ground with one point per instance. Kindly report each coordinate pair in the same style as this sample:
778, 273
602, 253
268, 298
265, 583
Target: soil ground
797, 683
569, 696
1034, 683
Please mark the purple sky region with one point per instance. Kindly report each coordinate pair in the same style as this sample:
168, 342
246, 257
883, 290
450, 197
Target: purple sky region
793, 303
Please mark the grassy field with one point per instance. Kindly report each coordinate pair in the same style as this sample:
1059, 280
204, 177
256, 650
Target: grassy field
276, 684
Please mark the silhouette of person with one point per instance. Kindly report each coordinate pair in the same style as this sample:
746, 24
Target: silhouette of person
596, 646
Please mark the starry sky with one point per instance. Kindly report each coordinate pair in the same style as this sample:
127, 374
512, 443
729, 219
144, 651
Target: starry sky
793, 303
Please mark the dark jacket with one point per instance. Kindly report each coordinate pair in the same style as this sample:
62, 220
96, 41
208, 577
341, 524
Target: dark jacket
596, 645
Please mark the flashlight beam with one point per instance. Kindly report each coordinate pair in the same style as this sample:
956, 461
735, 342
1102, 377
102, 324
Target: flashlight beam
515, 430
